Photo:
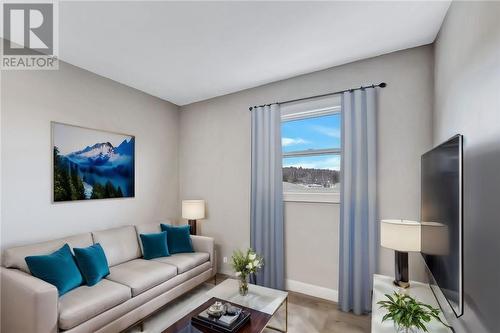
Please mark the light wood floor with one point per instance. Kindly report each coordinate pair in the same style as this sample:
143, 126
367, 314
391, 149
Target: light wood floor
313, 315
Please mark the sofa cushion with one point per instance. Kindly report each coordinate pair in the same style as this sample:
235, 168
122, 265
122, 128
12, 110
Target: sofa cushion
92, 263
178, 238
58, 268
154, 245
185, 261
84, 303
14, 257
141, 275
148, 228
119, 244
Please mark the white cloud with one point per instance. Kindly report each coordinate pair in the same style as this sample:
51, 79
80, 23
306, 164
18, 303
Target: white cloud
331, 163
292, 141
328, 131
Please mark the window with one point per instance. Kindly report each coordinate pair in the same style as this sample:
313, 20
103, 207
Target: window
311, 143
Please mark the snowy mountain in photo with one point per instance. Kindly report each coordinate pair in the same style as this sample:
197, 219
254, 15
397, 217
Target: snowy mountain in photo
103, 165
92, 164
104, 154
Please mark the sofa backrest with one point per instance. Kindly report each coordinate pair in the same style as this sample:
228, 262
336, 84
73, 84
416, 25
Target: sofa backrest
14, 257
119, 244
148, 228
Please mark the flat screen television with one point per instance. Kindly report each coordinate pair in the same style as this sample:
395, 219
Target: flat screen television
442, 218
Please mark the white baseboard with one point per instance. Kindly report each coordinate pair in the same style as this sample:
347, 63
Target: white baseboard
303, 288
312, 290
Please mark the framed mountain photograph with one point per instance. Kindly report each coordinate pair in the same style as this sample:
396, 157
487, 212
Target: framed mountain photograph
91, 164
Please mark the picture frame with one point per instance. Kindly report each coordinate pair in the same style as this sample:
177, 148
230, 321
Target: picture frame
91, 164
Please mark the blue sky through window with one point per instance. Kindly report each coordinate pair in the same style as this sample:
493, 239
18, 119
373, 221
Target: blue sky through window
312, 133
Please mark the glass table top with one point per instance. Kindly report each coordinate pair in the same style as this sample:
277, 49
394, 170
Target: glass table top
259, 298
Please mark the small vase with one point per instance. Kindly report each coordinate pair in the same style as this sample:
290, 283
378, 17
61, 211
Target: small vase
402, 329
243, 286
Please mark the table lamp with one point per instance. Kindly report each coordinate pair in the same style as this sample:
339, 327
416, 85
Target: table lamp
403, 236
435, 239
193, 210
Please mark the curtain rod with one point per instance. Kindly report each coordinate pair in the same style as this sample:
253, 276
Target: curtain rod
381, 85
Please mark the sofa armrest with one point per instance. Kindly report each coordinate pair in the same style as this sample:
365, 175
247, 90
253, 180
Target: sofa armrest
205, 244
28, 304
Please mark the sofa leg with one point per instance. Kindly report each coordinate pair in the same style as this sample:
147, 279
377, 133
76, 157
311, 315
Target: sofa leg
141, 327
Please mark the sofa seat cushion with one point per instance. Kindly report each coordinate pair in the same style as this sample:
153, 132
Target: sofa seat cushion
84, 303
141, 275
184, 261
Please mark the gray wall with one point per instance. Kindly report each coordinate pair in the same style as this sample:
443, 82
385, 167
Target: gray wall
30, 100
467, 101
214, 159
312, 258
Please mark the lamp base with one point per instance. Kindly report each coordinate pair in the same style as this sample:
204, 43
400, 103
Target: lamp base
192, 227
401, 269
401, 284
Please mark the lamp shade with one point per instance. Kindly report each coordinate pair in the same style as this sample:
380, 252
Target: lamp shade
193, 209
435, 239
400, 235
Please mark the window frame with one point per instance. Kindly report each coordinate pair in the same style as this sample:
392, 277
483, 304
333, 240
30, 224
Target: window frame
312, 197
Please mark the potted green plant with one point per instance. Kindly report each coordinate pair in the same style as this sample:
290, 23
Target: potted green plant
408, 314
244, 264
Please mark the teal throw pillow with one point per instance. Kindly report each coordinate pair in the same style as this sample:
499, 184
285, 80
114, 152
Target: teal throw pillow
178, 238
154, 245
92, 263
58, 268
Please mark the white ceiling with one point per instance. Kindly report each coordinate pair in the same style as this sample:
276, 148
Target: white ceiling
185, 52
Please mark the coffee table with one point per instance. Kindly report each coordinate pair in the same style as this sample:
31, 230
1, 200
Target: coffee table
259, 298
257, 323
262, 302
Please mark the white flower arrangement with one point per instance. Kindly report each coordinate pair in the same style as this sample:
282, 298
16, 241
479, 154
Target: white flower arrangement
246, 263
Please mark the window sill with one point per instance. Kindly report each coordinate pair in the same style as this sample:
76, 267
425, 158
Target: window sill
333, 198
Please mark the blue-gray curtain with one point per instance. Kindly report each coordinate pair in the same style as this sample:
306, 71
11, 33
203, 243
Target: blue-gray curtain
266, 216
358, 232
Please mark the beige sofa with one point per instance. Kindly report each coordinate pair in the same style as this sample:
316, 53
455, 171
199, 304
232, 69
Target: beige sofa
134, 289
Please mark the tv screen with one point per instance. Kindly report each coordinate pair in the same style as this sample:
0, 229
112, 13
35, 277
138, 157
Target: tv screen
441, 215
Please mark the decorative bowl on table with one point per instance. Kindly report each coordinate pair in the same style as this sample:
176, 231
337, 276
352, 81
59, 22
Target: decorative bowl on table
217, 309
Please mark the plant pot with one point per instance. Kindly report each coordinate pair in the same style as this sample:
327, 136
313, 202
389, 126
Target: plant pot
243, 286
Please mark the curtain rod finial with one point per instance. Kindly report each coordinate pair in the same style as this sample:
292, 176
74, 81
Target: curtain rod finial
383, 85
